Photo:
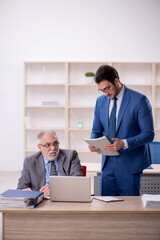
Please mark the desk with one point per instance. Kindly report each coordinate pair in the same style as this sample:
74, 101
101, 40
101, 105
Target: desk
96, 220
154, 171
150, 181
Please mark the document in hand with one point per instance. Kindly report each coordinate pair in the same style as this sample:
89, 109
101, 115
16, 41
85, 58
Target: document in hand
99, 143
20, 198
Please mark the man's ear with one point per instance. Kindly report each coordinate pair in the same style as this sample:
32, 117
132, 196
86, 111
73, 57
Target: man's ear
39, 146
116, 81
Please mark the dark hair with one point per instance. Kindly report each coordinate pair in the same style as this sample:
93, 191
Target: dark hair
106, 72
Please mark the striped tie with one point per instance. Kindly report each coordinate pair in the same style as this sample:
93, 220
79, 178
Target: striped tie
53, 170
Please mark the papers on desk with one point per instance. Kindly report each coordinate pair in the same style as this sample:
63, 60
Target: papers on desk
150, 200
108, 199
99, 143
20, 198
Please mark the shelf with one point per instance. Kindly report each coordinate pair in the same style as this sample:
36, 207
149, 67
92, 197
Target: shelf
44, 106
84, 150
44, 84
65, 84
41, 128
79, 129
79, 107
82, 85
31, 150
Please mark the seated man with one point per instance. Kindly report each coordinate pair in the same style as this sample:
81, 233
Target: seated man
50, 160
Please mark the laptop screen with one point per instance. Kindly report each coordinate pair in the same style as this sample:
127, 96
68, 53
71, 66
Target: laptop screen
70, 188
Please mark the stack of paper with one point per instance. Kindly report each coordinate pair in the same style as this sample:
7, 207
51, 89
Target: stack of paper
150, 200
20, 198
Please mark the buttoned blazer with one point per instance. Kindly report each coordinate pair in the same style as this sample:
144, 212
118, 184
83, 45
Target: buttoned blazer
134, 123
33, 173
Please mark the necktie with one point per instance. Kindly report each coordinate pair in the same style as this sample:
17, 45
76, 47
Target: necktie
53, 170
112, 121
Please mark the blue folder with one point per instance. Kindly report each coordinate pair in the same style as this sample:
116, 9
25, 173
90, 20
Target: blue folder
150, 167
24, 198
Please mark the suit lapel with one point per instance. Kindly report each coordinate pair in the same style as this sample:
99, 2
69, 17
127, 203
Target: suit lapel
124, 104
60, 160
40, 169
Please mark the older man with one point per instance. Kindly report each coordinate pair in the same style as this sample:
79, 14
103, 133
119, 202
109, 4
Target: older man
50, 160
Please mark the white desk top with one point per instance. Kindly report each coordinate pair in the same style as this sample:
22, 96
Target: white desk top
155, 170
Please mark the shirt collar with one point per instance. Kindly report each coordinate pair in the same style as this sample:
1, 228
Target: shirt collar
120, 94
46, 162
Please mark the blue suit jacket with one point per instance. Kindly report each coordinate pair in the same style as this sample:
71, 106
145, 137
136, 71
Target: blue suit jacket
134, 123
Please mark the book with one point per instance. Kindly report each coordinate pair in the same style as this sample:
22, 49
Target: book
20, 198
108, 199
99, 143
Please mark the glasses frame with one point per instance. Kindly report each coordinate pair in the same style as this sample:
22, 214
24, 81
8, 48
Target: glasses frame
49, 145
105, 90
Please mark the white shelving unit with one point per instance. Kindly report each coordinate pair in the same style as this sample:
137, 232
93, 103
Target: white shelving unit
57, 96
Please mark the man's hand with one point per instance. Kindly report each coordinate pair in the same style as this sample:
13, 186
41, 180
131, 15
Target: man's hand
118, 144
93, 149
46, 190
27, 189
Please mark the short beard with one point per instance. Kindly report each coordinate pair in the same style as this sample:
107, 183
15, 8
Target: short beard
53, 158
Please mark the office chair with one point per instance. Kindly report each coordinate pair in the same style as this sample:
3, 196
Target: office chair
84, 168
155, 152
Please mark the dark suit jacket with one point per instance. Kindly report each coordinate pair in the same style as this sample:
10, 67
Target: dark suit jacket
33, 173
134, 123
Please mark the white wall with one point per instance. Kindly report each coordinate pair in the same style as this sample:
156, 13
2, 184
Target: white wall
66, 30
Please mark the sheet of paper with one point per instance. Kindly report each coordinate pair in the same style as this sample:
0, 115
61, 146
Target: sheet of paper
107, 199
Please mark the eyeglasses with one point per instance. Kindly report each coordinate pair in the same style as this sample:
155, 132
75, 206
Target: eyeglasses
49, 145
106, 89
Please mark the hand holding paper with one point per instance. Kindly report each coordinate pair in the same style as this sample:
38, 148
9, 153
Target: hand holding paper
99, 143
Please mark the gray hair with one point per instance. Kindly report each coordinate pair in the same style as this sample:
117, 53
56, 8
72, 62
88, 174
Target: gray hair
43, 132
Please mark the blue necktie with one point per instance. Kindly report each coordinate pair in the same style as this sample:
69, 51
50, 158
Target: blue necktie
112, 121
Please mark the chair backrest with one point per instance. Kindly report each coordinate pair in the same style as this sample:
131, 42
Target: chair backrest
155, 152
84, 170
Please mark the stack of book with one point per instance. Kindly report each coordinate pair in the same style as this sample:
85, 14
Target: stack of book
20, 198
150, 200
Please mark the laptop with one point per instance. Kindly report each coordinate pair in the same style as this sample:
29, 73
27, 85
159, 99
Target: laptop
70, 189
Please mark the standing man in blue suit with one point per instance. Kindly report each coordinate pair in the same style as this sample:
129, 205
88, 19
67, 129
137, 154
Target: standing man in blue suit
134, 129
